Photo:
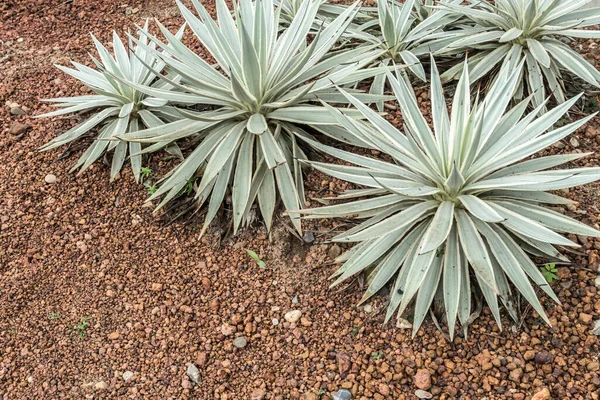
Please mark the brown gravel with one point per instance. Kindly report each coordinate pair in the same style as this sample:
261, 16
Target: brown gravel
157, 299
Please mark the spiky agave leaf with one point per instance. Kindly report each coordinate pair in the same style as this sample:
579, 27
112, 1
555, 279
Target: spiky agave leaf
327, 12
117, 107
512, 30
261, 93
458, 201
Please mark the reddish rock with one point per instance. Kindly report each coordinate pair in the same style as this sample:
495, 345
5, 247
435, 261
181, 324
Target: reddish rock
585, 318
19, 128
343, 362
257, 394
516, 374
423, 379
543, 394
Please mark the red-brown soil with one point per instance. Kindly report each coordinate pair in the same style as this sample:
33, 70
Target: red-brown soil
158, 298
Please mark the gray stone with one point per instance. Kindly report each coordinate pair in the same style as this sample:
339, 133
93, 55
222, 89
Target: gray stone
240, 342
17, 111
342, 394
308, 237
193, 373
596, 329
127, 375
334, 251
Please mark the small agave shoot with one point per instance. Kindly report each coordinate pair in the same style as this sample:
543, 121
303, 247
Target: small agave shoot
259, 102
459, 202
117, 107
528, 29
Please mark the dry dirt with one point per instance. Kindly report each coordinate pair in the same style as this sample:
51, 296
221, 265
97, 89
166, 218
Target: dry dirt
93, 288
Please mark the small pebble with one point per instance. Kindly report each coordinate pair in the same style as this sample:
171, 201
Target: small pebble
368, 308
257, 394
17, 111
574, 142
295, 300
240, 342
422, 394
50, 178
403, 324
308, 237
342, 394
597, 281
127, 375
422, 379
596, 328
275, 321
19, 128
334, 251
293, 316
543, 357
101, 385
193, 373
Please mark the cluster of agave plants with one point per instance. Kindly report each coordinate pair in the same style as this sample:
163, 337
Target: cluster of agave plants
463, 198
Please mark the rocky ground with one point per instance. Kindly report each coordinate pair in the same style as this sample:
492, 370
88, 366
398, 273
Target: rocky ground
98, 299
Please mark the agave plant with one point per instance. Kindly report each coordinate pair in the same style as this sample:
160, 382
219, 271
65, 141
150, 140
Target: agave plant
531, 29
258, 99
459, 201
401, 32
118, 107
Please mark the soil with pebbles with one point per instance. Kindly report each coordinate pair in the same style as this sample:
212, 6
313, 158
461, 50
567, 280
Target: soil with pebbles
99, 299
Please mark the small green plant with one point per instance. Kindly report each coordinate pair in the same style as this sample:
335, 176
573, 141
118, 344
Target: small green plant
376, 355
145, 172
256, 258
80, 329
189, 188
549, 271
150, 187
53, 316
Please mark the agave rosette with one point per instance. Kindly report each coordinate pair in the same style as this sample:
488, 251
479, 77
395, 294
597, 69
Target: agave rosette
401, 31
528, 29
459, 201
259, 97
117, 107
